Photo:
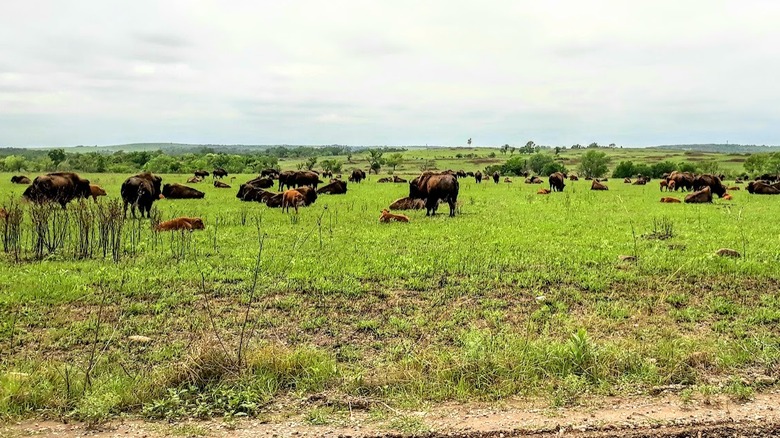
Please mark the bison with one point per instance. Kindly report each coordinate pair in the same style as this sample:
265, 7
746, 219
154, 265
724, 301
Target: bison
60, 187
96, 191
334, 188
386, 217
407, 204
496, 176
596, 185
386, 179
508, 180
762, 188
682, 180
194, 180
20, 179
178, 191
221, 185
663, 184
557, 182
711, 181
432, 187
357, 176
627, 180
478, 177
181, 224
269, 173
699, 197
543, 191
201, 174
669, 200
291, 198
141, 191
573, 178
219, 173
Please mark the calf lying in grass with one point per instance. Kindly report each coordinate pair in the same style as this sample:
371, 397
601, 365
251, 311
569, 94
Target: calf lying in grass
389, 217
181, 223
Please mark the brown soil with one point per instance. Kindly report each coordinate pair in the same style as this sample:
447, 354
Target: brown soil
662, 416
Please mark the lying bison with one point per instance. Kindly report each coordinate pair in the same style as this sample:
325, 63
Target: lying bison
20, 179
432, 187
557, 182
60, 187
702, 196
221, 185
596, 185
141, 191
336, 187
407, 204
670, 200
178, 191
762, 188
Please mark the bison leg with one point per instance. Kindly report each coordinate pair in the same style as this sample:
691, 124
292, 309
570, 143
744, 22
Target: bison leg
452, 203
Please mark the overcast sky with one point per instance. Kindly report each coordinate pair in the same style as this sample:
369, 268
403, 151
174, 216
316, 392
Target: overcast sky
395, 72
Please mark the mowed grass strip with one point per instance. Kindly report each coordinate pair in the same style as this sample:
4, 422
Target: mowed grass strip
519, 294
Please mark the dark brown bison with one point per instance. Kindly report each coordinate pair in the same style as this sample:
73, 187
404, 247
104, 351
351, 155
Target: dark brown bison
327, 174
682, 180
496, 176
309, 194
141, 191
219, 173
699, 197
201, 174
573, 178
596, 185
469, 173
711, 181
407, 204
533, 180
335, 188
386, 179
460, 174
478, 177
557, 182
270, 173
20, 179
287, 179
357, 176
221, 185
178, 191
627, 180
60, 187
640, 181
398, 180
762, 188
307, 178
261, 181
432, 187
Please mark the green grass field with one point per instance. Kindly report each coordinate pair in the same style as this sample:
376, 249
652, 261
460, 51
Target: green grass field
518, 295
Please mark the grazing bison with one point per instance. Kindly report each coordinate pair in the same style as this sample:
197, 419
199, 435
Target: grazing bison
221, 185
60, 187
573, 178
270, 173
219, 173
201, 174
287, 179
334, 188
460, 174
478, 177
20, 179
682, 180
432, 187
194, 180
663, 184
357, 176
711, 181
178, 191
699, 197
596, 185
407, 204
386, 217
544, 191
96, 191
557, 182
307, 178
292, 198
762, 188
327, 174
671, 185
669, 200
469, 173
141, 191
181, 224
496, 175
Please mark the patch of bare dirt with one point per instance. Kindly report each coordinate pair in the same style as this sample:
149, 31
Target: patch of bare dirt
664, 416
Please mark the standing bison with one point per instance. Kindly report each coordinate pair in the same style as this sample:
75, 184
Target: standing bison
496, 176
711, 181
557, 182
478, 177
60, 187
682, 180
432, 187
357, 176
219, 173
141, 191
201, 174
178, 191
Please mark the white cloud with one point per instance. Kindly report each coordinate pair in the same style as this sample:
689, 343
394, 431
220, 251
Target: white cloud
403, 72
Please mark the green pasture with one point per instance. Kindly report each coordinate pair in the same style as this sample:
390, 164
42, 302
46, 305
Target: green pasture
519, 295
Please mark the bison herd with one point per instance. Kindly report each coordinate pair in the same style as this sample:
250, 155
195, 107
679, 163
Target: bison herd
299, 188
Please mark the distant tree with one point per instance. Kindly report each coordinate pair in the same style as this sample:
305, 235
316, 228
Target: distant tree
375, 160
551, 168
394, 160
349, 157
712, 167
659, 169
492, 155
557, 150
468, 141
539, 161
331, 165
755, 163
512, 150
686, 167
612, 145
624, 170
57, 156
594, 164
311, 162
643, 169
458, 156
593, 145
514, 166
504, 149
576, 146
14, 163
428, 165
772, 165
